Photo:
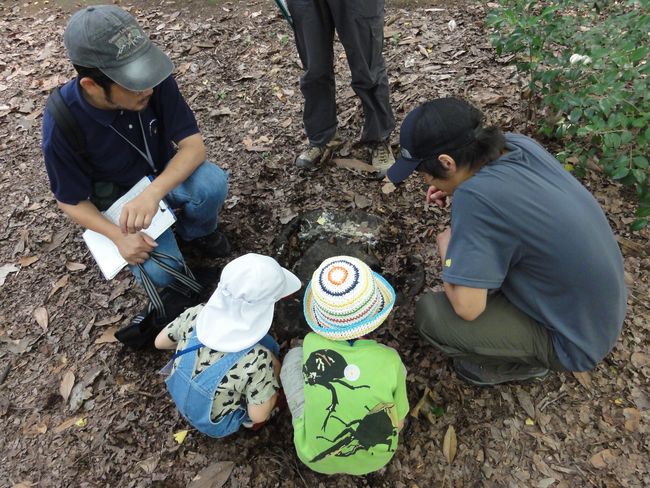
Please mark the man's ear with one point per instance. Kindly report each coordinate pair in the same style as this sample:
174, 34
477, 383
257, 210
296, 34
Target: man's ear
447, 162
89, 85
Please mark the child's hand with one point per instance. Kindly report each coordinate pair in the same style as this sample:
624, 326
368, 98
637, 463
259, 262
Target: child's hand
439, 197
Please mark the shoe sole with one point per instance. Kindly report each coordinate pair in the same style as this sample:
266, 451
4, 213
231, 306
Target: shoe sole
522, 381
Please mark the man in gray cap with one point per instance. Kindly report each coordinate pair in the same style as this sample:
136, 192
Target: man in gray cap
132, 122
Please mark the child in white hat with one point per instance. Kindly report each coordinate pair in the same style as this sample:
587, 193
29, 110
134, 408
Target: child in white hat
225, 370
347, 394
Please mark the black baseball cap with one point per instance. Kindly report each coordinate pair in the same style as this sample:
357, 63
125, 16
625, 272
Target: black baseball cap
432, 129
108, 38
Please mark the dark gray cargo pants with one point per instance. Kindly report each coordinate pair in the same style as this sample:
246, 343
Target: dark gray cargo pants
360, 26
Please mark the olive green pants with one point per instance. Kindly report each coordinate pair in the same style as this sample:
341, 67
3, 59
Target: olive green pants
502, 337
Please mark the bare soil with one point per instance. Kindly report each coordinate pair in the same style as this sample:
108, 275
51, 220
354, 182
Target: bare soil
76, 409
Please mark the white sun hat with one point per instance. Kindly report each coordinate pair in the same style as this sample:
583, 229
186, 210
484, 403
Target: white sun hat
240, 311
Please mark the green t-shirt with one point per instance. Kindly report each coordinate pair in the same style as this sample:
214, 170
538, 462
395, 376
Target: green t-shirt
355, 396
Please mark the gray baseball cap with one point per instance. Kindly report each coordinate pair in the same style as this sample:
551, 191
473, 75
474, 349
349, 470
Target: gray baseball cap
109, 38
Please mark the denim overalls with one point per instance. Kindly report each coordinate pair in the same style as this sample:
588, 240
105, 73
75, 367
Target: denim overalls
194, 396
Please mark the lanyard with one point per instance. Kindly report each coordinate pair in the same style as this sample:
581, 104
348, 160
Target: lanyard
147, 155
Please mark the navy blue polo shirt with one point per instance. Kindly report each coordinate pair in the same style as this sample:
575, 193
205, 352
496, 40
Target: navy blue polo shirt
525, 225
166, 119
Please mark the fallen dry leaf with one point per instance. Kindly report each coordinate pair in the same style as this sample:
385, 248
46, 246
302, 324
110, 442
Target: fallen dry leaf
57, 240
602, 459
66, 385
180, 436
109, 320
584, 378
388, 188
362, 201
5, 271
449, 444
149, 465
250, 146
18, 346
526, 403
107, 336
287, 216
66, 424
61, 283
415, 411
354, 164
42, 317
632, 419
640, 359
214, 476
27, 260
70, 266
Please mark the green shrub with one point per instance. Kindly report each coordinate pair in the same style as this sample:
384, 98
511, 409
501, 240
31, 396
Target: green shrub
584, 67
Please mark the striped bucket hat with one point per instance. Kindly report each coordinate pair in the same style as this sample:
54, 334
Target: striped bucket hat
345, 299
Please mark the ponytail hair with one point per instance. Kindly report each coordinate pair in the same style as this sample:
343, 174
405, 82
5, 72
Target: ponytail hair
470, 148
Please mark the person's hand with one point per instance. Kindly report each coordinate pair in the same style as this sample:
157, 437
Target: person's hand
439, 197
443, 243
138, 213
135, 248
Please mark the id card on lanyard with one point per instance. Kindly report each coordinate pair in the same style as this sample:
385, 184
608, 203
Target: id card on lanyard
146, 154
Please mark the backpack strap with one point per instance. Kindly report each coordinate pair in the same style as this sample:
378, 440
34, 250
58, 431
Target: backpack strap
68, 125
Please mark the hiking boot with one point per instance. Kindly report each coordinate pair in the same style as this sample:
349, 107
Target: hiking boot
310, 157
381, 158
214, 245
481, 375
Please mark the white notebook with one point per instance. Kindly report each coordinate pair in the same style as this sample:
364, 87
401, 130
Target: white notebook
108, 258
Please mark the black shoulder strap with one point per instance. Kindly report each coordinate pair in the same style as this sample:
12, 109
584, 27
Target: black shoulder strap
68, 125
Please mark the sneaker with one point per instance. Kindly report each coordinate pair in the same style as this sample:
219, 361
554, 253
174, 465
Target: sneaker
382, 158
145, 326
481, 375
313, 155
214, 245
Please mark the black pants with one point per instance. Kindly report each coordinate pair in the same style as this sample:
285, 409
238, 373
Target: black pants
360, 26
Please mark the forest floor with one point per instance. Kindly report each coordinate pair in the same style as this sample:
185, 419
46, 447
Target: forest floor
76, 409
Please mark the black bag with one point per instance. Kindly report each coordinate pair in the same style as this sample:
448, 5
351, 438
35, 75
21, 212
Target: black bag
163, 307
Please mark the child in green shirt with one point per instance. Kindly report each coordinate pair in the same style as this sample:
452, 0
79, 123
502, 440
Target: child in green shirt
347, 394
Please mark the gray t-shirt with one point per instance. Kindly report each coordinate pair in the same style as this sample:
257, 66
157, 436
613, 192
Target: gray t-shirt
525, 225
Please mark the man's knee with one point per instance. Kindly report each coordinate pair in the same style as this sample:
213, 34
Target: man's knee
209, 184
428, 319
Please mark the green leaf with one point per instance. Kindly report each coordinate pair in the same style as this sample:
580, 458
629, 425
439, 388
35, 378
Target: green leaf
639, 175
621, 172
639, 224
639, 54
626, 136
438, 411
640, 162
